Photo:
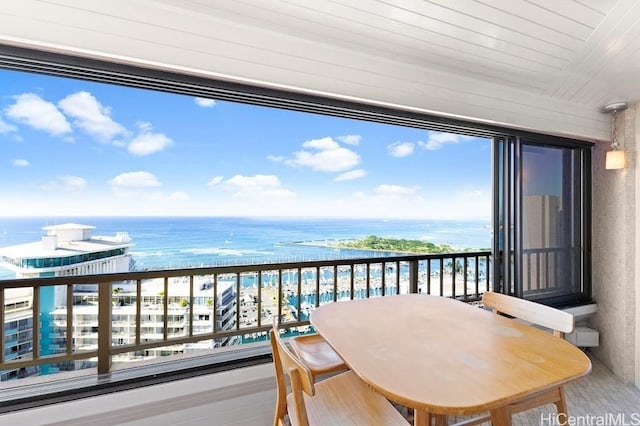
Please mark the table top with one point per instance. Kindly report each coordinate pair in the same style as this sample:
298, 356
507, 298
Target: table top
444, 356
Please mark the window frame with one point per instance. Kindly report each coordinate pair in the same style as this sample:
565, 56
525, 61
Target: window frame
90, 69
507, 218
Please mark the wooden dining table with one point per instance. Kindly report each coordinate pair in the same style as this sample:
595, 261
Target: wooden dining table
441, 356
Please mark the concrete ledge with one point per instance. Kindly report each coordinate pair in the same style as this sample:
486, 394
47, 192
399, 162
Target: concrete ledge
583, 312
583, 336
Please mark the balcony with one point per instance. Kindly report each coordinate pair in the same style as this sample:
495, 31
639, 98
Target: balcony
551, 103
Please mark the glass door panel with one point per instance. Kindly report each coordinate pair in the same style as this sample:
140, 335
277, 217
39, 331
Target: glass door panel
540, 220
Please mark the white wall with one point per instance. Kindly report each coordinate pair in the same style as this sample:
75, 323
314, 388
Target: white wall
615, 241
637, 244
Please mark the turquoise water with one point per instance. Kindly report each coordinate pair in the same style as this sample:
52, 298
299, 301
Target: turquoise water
177, 242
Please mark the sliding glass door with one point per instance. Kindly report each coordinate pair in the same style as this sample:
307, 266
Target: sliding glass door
541, 215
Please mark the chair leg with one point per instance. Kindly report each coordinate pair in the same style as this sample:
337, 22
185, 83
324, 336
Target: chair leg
281, 410
279, 417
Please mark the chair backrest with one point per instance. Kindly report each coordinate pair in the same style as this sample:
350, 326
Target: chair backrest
560, 322
300, 377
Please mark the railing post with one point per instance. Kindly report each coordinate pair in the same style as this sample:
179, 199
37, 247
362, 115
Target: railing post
413, 276
104, 327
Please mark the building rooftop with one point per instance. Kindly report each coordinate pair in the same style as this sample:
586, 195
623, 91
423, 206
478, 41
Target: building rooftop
63, 248
65, 226
62, 241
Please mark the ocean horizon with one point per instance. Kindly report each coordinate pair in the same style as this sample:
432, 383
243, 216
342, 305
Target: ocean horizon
182, 242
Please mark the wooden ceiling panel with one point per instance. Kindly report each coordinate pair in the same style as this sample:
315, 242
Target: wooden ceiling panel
513, 22
371, 22
606, 61
602, 6
544, 18
574, 11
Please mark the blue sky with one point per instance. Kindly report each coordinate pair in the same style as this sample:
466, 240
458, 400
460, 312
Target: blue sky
77, 148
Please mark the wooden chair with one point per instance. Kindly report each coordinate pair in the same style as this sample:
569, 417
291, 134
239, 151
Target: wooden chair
343, 399
317, 354
538, 314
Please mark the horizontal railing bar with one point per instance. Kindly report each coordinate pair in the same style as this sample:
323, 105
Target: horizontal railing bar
121, 349
49, 359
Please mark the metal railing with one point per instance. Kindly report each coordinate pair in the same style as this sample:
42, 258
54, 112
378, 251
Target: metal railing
169, 311
552, 272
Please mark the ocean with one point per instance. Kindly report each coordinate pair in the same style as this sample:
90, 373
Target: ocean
179, 242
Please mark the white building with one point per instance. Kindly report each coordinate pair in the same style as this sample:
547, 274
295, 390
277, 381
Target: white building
68, 249
18, 330
124, 316
64, 250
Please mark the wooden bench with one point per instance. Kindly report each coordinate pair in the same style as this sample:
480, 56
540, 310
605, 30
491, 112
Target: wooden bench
559, 322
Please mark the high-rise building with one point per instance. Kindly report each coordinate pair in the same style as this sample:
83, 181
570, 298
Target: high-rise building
69, 250
541, 241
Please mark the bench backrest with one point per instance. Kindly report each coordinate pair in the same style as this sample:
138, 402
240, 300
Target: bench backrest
560, 322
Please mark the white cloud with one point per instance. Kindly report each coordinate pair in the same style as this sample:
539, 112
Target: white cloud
324, 144
91, 116
137, 179
395, 190
144, 126
438, 139
215, 181
277, 158
32, 110
205, 102
20, 162
6, 127
350, 175
400, 149
324, 155
258, 186
66, 183
147, 142
350, 139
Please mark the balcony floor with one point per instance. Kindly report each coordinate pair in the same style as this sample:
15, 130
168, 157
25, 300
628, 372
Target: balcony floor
246, 396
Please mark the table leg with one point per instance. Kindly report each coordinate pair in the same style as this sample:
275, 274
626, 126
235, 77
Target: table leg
422, 418
501, 417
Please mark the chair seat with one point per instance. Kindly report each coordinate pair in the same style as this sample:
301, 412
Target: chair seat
345, 399
317, 354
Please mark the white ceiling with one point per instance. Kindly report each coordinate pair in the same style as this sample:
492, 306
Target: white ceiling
546, 65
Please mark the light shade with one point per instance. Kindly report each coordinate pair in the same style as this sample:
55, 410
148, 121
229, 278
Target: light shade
614, 160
